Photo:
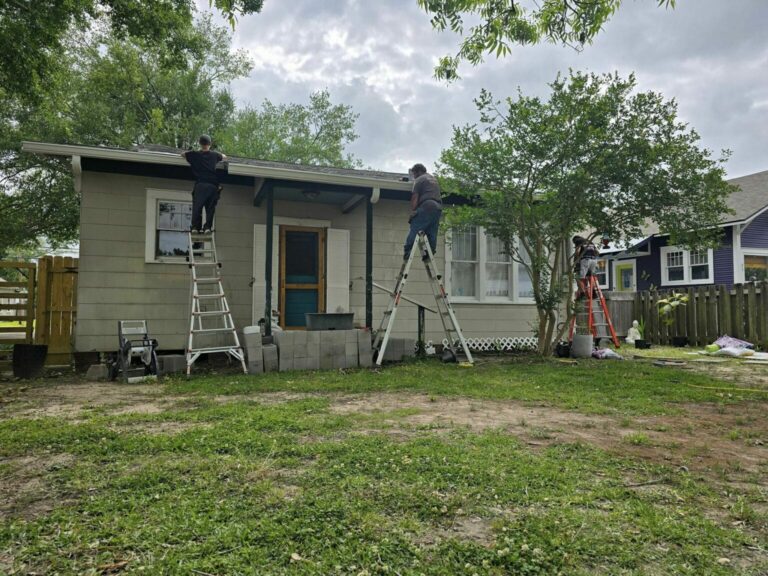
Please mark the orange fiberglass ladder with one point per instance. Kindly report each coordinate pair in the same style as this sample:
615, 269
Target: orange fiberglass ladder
595, 316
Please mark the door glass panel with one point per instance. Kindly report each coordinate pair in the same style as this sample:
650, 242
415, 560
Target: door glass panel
626, 278
301, 258
298, 303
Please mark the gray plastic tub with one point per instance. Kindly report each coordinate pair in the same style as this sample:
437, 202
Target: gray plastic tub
330, 321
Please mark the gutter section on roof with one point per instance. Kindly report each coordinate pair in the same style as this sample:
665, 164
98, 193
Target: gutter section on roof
165, 158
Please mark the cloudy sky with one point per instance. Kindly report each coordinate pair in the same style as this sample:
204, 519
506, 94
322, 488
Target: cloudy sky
379, 55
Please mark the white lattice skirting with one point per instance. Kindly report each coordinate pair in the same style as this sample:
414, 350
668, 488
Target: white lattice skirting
506, 344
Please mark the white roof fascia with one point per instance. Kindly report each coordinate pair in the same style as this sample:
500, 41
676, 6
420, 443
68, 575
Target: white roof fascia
170, 159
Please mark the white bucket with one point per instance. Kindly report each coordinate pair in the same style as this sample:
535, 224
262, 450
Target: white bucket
582, 346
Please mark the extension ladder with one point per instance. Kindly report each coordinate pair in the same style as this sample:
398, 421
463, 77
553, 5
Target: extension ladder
210, 314
451, 326
592, 311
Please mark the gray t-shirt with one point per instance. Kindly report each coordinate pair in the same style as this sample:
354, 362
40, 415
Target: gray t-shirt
427, 188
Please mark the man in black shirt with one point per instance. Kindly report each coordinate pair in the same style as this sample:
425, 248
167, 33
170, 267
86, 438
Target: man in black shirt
207, 190
426, 208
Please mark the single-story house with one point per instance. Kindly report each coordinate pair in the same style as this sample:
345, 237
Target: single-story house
335, 235
742, 255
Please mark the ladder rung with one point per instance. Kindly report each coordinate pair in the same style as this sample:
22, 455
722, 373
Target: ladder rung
212, 330
209, 296
214, 349
207, 280
212, 313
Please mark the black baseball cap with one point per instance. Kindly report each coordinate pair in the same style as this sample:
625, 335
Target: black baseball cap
204, 140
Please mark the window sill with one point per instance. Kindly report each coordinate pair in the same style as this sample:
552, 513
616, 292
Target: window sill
687, 283
167, 261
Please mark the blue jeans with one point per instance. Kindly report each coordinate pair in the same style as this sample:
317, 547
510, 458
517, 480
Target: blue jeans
427, 220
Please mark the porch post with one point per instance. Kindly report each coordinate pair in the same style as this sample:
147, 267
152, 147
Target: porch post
268, 264
369, 262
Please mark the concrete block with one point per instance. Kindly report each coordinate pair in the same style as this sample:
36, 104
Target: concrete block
252, 337
338, 349
326, 362
270, 358
313, 338
171, 364
365, 359
350, 349
256, 367
285, 351
99, 372
339, 361
286, 363
312, 363
350, 336
409, 347
300, 351
299, 338
284, 338
350, 360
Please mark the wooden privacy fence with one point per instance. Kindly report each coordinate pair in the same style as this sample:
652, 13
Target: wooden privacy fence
56, 306
17, 303
711, 311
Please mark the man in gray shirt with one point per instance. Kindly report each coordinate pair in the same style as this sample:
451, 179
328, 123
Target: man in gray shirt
426, 208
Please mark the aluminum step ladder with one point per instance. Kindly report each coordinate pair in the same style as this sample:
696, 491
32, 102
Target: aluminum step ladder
592, 312
210, 315
453, 334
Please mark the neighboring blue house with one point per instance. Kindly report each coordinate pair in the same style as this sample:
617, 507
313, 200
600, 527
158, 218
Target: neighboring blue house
741, 257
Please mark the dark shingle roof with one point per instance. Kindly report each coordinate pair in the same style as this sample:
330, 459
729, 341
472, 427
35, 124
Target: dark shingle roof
750, 197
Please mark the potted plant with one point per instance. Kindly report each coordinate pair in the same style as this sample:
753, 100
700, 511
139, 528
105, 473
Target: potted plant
667, 308
641, 343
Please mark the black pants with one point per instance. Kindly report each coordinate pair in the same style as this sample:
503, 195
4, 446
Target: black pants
205, 195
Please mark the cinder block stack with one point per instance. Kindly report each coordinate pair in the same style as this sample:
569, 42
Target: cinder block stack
270, 358
323, 349
399, 348
253, 349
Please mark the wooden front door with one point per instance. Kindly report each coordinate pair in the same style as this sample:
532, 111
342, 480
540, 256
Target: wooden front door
302, 274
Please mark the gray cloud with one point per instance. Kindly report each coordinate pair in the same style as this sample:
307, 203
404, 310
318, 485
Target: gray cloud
709, 55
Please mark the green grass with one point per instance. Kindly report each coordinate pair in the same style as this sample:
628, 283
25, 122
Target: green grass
595, 387
248, 487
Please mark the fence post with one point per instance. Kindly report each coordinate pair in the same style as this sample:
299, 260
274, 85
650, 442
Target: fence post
762, 315
712, 328
724, 310
42, 325
751, 313
690, 314
738, 313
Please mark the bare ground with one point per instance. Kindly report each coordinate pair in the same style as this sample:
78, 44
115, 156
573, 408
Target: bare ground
728, 444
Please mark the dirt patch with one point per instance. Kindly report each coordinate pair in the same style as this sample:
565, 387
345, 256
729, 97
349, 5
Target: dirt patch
71, 400
706, 437
25, 489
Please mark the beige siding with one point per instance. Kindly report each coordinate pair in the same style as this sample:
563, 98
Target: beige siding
115, 282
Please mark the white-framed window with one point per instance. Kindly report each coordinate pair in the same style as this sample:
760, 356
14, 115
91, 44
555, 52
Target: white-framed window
601, 273
168, 218
478, 270
683, 267
756, 267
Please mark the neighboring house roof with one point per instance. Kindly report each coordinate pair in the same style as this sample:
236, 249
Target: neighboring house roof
749, 199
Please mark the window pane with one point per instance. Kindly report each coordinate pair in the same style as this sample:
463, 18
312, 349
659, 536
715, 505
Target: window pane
699, 258
676, 274
495, 250
463, 279
497, 280
700, 272
174, 215
674, 259
464, 244
601, 272
755, 268
171, 243
524, 283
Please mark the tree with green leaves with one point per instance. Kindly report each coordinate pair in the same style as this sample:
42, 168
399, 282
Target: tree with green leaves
316, 134
597, 156
108, 91
33, 35
504, 23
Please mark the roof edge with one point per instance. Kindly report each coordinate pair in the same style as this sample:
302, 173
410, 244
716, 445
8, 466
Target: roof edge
235, 168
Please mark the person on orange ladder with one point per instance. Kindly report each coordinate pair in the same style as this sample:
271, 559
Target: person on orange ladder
585, 259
